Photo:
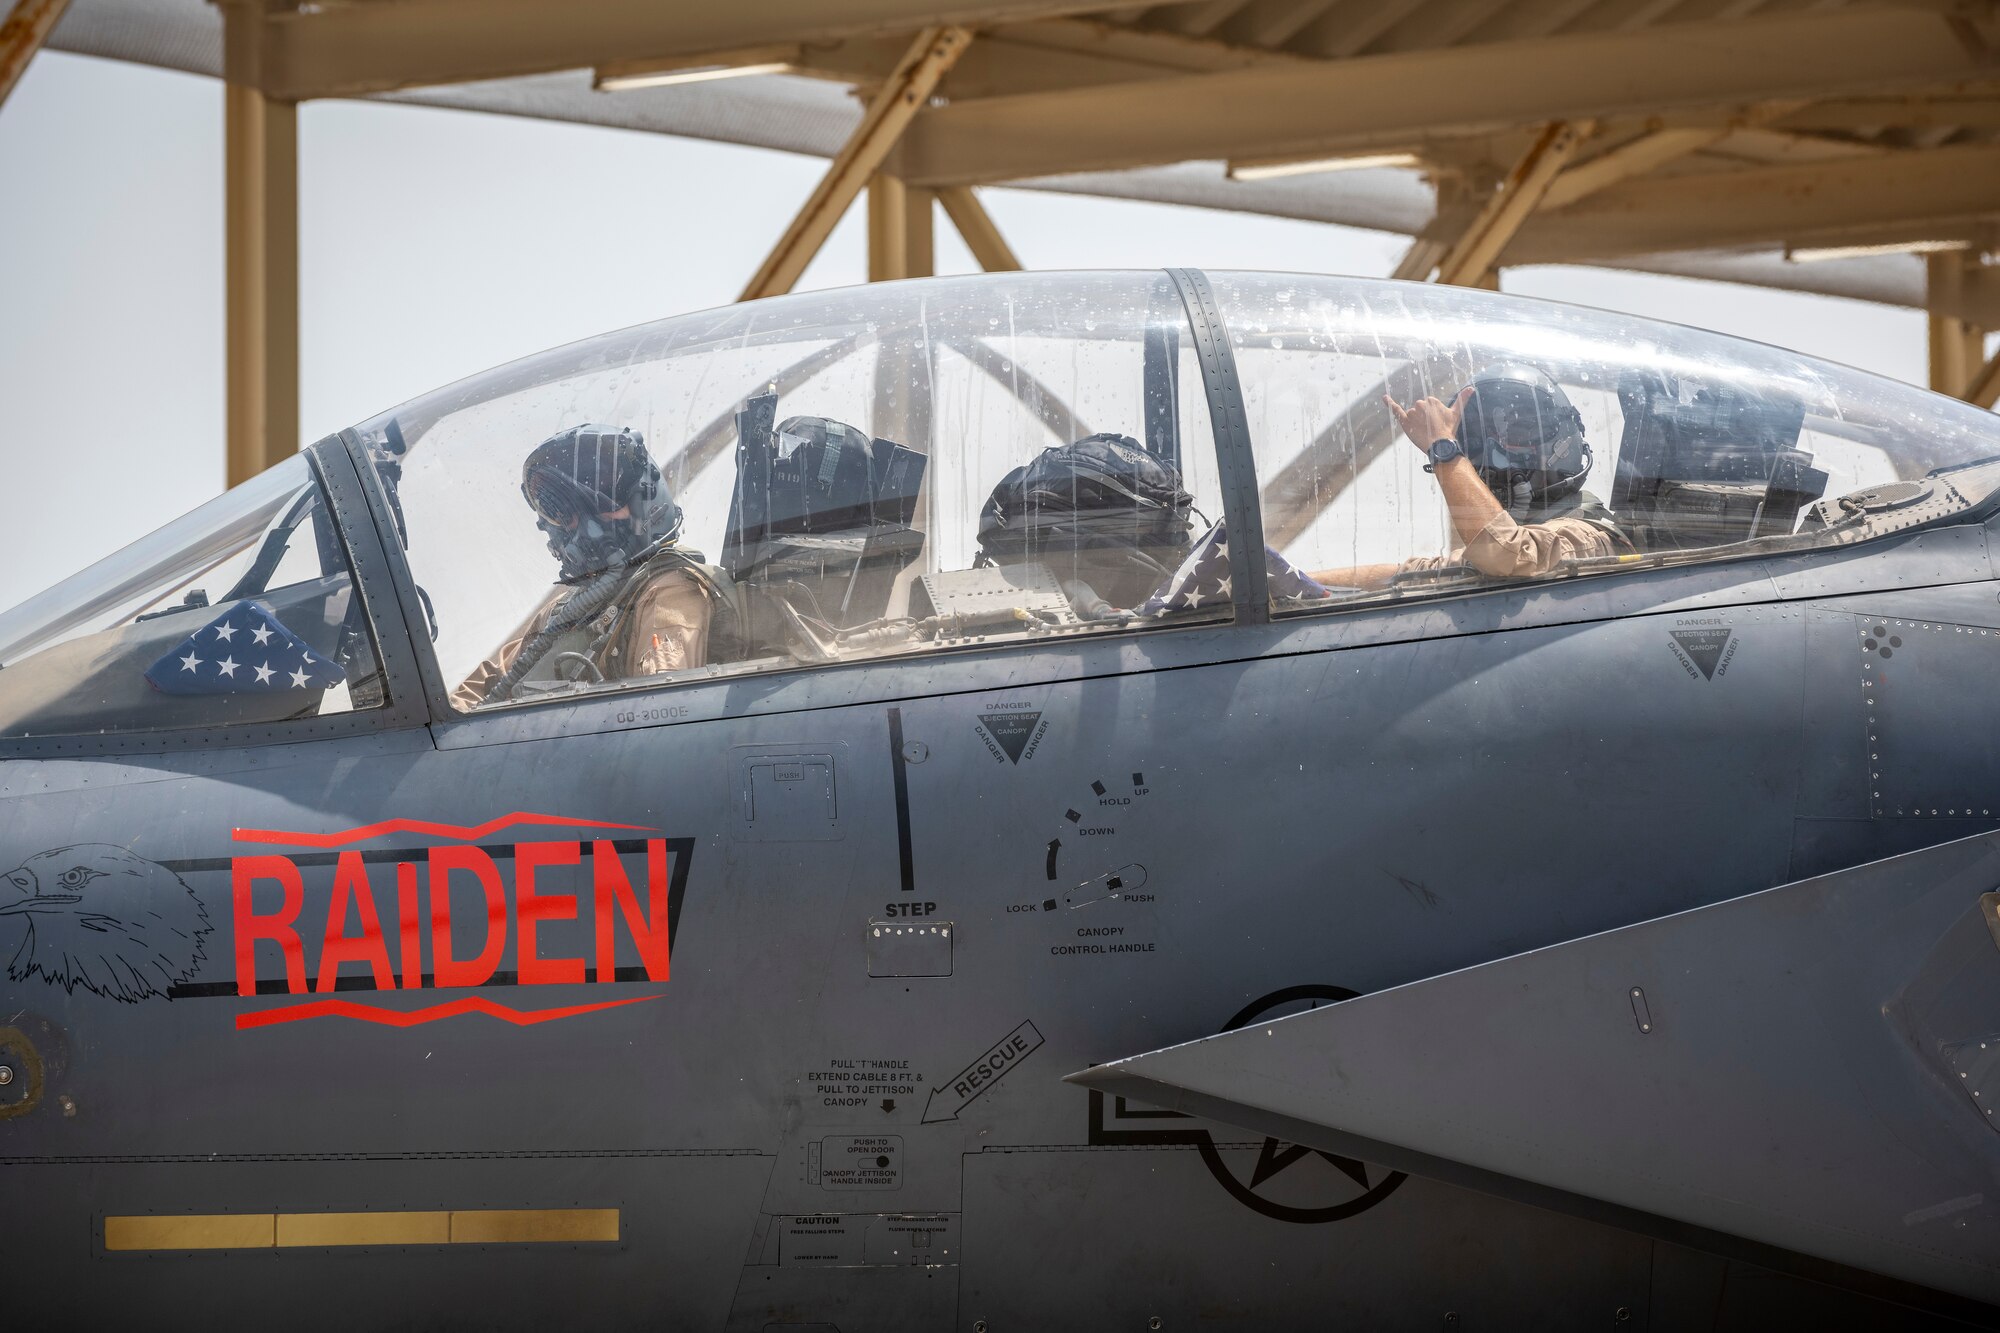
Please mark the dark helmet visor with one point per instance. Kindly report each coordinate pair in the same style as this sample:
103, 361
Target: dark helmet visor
561, 500
581, 473
1510, 417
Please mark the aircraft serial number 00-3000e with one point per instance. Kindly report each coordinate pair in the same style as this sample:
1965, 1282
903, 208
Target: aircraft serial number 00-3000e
1119, 800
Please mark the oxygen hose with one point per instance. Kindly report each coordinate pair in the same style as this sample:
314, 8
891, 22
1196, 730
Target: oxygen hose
579, 606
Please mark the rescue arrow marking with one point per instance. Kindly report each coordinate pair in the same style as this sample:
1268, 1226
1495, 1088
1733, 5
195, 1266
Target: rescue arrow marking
955, 1093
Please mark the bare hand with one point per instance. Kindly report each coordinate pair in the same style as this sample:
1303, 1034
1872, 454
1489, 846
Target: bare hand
1428, 420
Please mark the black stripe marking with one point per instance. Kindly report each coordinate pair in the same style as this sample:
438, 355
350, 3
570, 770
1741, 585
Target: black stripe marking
901, 769
682, 850
209, 990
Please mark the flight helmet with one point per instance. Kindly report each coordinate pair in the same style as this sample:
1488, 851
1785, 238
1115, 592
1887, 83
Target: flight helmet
1525, 437
1102, 511
599, 499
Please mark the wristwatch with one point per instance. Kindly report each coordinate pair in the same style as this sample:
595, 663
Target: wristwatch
1444, 450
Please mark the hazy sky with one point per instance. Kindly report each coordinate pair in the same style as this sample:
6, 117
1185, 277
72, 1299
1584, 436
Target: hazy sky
436, 243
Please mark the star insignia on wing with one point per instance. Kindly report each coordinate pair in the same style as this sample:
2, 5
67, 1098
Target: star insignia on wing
1274, 1157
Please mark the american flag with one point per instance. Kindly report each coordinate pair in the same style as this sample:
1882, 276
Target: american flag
1203, 578
245, 650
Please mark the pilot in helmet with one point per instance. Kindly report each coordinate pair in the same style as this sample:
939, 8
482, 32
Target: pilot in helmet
1509, 454
628, 602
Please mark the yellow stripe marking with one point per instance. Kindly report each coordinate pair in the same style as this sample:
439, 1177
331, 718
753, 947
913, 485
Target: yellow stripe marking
229, 1231
532, 1226
265, 1231
296, 1230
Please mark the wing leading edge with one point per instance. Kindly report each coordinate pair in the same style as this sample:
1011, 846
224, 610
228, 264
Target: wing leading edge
1786, 1076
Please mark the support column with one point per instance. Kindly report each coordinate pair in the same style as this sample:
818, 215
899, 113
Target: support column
919, 232
901, 239
261, 222
888, 220
22, 33
1957, 347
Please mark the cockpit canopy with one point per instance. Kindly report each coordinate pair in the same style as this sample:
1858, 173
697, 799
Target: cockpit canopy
922, 466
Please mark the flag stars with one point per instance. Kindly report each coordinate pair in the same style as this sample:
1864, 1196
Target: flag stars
280, 660
1205, 578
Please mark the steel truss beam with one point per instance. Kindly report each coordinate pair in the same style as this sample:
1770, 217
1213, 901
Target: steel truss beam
892, 109
902, 234
347, 50
1938, 193
1970, 107
1636, 157
1039, 56
1458, 203
1469, 259
1390, 102
975, 227
22, 33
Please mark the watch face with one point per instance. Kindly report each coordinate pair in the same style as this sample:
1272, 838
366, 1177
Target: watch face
1443, 451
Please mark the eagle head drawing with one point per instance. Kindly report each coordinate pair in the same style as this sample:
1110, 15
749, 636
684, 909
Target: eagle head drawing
97, 916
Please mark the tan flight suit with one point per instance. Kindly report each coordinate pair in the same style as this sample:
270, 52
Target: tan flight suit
1510, 550
662, 627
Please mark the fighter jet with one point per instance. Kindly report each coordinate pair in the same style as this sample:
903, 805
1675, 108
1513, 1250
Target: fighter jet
1034, 801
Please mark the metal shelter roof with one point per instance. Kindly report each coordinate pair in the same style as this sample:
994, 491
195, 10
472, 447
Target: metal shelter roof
1727, 131
1729, 139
